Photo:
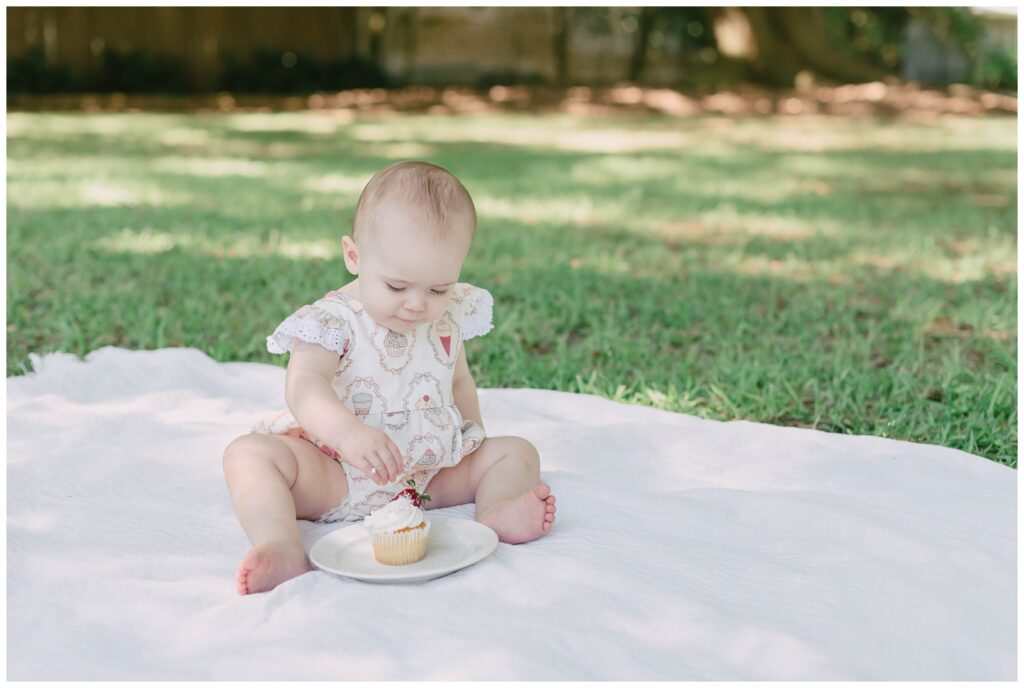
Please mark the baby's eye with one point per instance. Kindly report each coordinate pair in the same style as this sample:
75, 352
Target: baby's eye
394, 288
439, 292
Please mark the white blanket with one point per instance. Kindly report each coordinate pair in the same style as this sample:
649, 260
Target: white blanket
684, 548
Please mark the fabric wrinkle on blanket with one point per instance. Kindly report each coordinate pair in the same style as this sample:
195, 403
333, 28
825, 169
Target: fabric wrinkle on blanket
685, 548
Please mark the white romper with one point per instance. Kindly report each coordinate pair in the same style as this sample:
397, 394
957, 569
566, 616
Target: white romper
398, 383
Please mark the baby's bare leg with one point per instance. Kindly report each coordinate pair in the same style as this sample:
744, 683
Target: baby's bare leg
503, 478
273, 480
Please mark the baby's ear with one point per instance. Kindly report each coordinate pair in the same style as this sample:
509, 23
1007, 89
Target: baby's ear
350, 253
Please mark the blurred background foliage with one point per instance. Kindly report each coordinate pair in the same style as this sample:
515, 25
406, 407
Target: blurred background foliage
273, 72
142, 71
711, 48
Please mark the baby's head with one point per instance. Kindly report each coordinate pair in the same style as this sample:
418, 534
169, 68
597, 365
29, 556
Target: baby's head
413, 228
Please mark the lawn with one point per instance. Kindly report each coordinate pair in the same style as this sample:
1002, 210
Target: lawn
850, 275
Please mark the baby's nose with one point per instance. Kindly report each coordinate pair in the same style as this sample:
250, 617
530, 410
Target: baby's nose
415, 304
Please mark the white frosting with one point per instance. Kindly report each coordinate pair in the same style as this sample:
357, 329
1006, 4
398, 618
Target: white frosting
393, 516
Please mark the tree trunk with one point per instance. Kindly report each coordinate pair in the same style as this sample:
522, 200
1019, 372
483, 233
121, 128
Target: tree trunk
378, 20
561, 44
774, 59
809, 34
788, 40
408, 24
639, 59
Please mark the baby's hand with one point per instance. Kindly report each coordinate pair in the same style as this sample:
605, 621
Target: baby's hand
372, 452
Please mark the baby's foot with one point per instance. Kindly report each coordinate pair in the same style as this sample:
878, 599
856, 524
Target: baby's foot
265, 566
525, 518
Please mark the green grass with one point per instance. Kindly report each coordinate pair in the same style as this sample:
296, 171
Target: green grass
854, 276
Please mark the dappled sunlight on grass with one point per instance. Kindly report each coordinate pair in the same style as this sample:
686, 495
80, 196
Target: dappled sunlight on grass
723, 226
705, 134
789, 269
185, 136
85, 194
408, 150
818, 166
306, 123
788, 227
144, 241
611, 170
211, 166
614, 141
852, 275
809, 133
950, 269
378, 133
769, 189
23, 125
336, 183
695, 174
581, 210
587, 140
150, 241
53, 127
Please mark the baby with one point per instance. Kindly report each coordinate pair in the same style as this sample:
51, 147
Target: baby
379, 391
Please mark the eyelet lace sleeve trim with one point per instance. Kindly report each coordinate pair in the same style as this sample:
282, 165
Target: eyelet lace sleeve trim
478, 311
308, 331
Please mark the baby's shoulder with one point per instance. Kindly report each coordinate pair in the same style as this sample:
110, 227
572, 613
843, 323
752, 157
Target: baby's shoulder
329, 321
472, 308
340, 303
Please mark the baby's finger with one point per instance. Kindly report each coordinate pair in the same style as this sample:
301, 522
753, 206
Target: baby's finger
375, 470
385, 465
396, 456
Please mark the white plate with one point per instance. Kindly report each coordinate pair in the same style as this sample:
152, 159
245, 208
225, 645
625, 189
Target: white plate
453, 544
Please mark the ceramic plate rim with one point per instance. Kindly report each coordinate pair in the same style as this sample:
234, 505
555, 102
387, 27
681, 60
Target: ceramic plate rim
400, 574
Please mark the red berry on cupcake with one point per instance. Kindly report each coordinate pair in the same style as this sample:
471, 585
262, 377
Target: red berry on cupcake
415, 497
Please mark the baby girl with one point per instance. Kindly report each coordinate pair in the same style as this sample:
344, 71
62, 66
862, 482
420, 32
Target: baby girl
379, 391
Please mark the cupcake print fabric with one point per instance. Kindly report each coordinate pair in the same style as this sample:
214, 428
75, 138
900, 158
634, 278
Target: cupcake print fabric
398, 383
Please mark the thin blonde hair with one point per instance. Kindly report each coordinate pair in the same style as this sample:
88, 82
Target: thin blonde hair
432, 191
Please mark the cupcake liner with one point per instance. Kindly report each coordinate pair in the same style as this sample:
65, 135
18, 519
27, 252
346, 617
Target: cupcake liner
396, 549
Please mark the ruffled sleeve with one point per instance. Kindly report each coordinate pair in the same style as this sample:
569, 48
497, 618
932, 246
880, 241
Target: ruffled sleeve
325, 322
473, 308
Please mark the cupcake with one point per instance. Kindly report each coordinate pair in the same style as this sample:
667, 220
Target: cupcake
444, 333
395, 343
362, 402
398, 531
429, 458
437, 414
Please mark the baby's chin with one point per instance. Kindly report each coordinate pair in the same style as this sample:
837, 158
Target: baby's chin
402, 327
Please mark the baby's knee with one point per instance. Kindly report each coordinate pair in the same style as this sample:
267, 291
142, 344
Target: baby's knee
243, 450
525, 451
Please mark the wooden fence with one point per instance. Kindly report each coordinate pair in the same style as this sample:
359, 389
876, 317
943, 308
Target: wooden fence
197, 36
427, 45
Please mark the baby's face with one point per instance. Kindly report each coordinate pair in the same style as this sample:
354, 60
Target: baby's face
406, 277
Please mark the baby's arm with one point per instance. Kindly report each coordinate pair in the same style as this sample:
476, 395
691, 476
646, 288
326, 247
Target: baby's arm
464, 390
316, 407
